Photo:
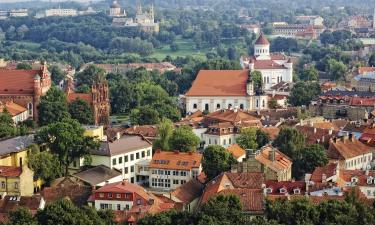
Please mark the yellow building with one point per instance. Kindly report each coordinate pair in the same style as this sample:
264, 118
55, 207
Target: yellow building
16, 181
14, 152
94, 131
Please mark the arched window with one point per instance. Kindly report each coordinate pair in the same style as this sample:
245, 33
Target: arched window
257, 103
195, 106
224, 142
229, 106
263, 103
206, 107
218, 106
30, 108
241, 106
268, 80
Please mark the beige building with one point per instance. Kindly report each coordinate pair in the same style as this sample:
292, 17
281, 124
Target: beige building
18, 113
16, 181
169, 170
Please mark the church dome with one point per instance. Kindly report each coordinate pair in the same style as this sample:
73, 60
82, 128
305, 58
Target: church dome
262, 40
115, 4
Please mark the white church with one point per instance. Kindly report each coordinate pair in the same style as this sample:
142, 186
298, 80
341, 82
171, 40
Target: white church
275, 67
213, 90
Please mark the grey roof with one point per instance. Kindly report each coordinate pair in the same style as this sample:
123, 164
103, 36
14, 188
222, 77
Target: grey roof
126, 144
16, 144
97, 175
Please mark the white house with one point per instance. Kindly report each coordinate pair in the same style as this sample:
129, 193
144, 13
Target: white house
275, 67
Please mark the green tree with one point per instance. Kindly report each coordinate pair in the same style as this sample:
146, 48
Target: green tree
308, 158
183, 139
247, 138
53, 107
81, 111
262, 138
89, 75
57, 75
371, 61
309, 73
168, 218
7, 128
257, 79
302, 93
272, 104
336, 69
223, 209
289, 141
21, 216
144, 115
66, 139
216, 159
46, 166
24, 66
165, 131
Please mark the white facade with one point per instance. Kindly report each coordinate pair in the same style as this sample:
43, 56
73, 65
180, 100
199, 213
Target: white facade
222, 140
18, 13
60, 12
21, 117
212, 104
113, 204
358, 163
125, 162
171, 179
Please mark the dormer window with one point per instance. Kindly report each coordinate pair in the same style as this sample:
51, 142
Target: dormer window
297, 191
269, 190
354, 180
370, 180
282, 190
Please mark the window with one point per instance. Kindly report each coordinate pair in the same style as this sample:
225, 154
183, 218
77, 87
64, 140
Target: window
218, 106
109, 195
183, 181
206, 107
15, 185
175, 173
118, 207
118, 195
224, 142
215, 142
137, 155
297, 191
126, 170
138, 201
148, 153
263, 103
257, 103
209, 141
127, 207
269, 190
101, 195
230, 140
131, 157
143, 154
167, 172
126, 158
282, 191
2, 184
132, 169
30, 108
195, 106
268, 80
132, 180
241, 106
175, 181
120, 160
229, 106
114, 161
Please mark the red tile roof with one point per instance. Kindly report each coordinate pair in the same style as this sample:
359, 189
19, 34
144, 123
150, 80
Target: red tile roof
175, 160
17, 81
289, 186
13, 108
362, 101
236, 151
347, 175
233, 116
262, 40
267, 64
189, 191
124, 187
84, 96
347, 148
281, 162
329, 170
219, 83
362, 70
10, 171
271, 131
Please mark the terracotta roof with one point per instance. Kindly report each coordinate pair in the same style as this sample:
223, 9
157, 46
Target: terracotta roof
84, 96
362, 101
145, 130
275, 187
175, 160
345, 176
13, 108
247, 186
347, 148
219, 83
362, 70
233, 116
267, 64
236, 151
10, 171
189, 191
329, 170
124, 187
17, 81
271, 131
316, 135
12, 203
281, 162
262, 40
316, 200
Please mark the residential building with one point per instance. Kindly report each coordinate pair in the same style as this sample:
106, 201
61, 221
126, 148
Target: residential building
314, 135
364, 180
252, 28
238, 153
61, 12
187, 194
275, 67
16, 181
350, 153
99, 176
14, 152
98, 99
18, 13
17, 112
298, 30
124, 154
25, 87
365, 80
314, 20
296, 188
327, 174
247, 186
13, 203
171, 169
268, 160
225, 125
150, 132
132, 200
95, 131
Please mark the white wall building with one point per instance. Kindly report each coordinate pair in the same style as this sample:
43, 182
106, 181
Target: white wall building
275, 68
61, 12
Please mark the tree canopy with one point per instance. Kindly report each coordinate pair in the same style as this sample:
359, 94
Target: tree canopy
216, 159
247, 138
53, 107
183, 139
81, 111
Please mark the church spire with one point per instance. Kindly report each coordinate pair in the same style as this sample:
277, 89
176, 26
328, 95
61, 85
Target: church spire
139, 7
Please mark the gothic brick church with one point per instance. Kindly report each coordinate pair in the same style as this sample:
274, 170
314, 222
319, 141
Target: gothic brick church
25, 87
98, 99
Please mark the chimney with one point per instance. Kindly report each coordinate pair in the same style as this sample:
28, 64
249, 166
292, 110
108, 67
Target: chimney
249, 153
324, 178
314, 130
118, 136
272, 154
124, 182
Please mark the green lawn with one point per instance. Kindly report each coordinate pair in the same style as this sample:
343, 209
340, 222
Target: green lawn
186, 47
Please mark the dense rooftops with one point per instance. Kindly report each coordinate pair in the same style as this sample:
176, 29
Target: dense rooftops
176, 160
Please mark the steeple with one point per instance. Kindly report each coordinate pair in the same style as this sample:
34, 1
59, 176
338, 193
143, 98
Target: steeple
152, 13
139, 7
262, 47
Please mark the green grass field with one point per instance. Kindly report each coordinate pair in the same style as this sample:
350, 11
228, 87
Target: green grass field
186, 47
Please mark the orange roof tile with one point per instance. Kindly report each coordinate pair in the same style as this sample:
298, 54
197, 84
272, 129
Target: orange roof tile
281, 161
233, 116
329, 170
219, 83
271, 131
175, 160
347, 175
13, 108
84, 96
347, 148
189, 191
10, 171
17, 81
236, 151
262, 40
